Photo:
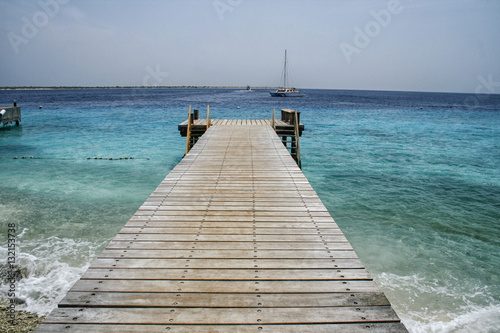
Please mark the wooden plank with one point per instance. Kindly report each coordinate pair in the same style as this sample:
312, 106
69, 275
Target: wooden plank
249, 179
218, 316
221, 208
217, 195
303, 328
252, 177
230, 237
232, 231
214, 218
215, 300
333, 228
209, 226
152, 218
218, 286
134, 223
227, 245
228, 274
235, 213
223, 263
229, 254
158, 197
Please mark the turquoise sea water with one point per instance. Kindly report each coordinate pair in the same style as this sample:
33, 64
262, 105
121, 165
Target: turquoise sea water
413, 179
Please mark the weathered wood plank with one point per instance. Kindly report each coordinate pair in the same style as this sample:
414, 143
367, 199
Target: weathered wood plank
172, 245
228, 274
230, 224
221, 208
230, 237
220, 316
215, 300
190, 328
164, 226
233, 218
229, 254
234, 213
223, 263
219, 201
220, 286
231, 231
176, 245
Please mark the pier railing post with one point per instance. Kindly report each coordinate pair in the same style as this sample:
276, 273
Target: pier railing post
274, 120
188, 134
297, 143
208, 117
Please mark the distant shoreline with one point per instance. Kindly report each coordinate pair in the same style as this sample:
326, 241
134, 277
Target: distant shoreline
228, 87
130, 87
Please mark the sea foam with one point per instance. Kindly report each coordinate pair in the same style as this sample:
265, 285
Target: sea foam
431, 306
49, 267
483, 320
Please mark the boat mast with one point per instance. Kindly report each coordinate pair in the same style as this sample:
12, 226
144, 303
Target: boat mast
284, 74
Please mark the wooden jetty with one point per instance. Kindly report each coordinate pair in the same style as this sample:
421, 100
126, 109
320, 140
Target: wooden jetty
10, 114
234, 239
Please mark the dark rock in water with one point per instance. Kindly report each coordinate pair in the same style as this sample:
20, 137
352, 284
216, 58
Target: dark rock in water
18, 300
7, 273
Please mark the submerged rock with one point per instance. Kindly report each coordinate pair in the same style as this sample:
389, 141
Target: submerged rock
7, 273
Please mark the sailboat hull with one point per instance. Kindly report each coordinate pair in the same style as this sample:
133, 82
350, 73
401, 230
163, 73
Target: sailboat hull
285, 94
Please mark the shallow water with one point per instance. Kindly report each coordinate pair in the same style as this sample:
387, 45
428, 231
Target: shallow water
411, 178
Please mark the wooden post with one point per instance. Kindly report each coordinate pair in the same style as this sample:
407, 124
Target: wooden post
297, 143
208, 117
188, 134
274, 117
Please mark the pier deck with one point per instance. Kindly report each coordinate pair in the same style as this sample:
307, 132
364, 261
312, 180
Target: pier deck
233, 240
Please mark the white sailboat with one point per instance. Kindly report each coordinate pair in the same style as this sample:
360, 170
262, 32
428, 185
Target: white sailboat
286, 91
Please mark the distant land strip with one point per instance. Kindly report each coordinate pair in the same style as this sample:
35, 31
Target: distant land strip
130, 87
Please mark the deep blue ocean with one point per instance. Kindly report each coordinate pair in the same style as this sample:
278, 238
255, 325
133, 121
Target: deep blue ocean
413, 180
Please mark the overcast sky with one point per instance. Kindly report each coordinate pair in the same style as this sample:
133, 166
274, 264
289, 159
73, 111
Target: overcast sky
419, 45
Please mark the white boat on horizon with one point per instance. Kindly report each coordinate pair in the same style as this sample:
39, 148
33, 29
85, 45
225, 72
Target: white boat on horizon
286, 91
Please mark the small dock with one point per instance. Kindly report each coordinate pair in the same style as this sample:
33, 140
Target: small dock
10, 114
234, 239
288, 127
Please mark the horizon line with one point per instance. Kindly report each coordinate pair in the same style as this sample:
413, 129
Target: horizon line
219, 87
